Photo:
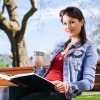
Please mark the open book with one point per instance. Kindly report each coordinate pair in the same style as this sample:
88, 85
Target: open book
31, 81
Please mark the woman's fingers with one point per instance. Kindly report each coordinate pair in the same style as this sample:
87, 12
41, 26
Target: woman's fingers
60, 86
55, 82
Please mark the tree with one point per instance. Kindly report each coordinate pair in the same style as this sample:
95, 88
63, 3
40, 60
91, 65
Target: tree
15, 31
96, 38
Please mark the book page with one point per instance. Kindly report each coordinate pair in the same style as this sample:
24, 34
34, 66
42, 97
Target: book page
21, 75
4, 76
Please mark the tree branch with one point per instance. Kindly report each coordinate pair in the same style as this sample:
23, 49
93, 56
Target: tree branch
12, 10
8, 25
13, 14
4, 5
4, 25
27, 16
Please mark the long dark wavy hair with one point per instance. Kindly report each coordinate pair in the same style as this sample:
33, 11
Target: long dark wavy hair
75, 12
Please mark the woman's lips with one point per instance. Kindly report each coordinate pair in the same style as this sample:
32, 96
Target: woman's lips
71, 31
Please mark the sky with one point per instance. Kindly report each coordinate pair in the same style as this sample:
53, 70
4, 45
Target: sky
44, 29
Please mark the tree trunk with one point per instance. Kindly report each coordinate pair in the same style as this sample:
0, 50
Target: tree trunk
15, 32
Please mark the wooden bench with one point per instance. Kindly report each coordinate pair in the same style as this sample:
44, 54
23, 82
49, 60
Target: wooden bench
19, 70
14, 71
97, 78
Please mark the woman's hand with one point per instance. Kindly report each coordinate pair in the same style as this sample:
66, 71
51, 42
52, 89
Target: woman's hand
60, 86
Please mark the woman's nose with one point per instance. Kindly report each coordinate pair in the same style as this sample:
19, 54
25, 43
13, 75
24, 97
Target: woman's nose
68, 26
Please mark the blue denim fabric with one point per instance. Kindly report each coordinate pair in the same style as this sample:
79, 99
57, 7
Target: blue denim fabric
79, 67
40, 71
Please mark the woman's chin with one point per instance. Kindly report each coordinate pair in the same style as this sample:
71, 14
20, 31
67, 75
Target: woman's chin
70, 35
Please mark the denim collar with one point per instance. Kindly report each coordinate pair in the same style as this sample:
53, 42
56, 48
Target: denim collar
73, 48
76, 45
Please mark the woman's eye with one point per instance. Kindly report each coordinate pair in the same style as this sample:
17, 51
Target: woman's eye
64, 23
71, 22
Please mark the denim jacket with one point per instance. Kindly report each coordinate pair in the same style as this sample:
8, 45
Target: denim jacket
79, 67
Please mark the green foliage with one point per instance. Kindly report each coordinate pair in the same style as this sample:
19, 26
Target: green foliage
2, 64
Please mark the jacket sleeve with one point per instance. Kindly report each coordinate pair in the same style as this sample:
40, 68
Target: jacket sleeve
89, 69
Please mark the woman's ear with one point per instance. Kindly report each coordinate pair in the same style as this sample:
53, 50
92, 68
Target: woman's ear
82, 22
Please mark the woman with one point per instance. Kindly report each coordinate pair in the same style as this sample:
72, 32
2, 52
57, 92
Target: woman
73, 63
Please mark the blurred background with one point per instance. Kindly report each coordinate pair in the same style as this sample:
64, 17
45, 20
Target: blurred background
44, 29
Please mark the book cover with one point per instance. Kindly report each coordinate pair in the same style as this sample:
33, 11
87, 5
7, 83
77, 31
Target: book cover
31, 81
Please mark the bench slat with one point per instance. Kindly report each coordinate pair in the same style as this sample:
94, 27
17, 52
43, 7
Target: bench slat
96, 87
17, 70
97, 78
98, 68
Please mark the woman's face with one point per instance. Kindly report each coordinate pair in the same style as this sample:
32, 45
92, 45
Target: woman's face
72, 26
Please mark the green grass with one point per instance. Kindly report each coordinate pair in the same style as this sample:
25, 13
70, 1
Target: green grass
88, 97
2, 64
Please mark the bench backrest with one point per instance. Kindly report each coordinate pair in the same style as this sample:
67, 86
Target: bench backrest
97, 78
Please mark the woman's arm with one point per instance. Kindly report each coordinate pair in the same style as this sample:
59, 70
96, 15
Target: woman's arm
89, 69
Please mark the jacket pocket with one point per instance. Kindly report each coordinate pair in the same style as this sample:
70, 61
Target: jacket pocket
77, 59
